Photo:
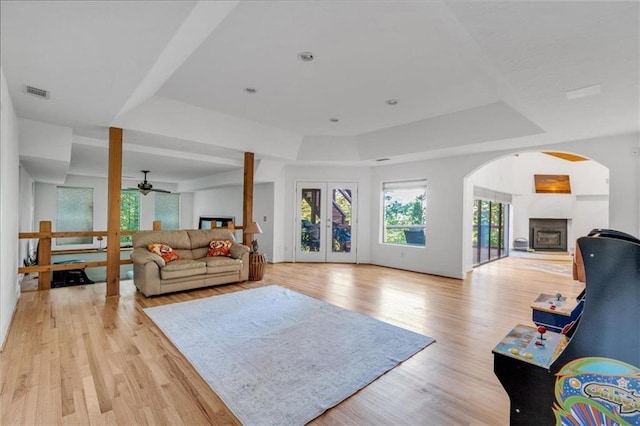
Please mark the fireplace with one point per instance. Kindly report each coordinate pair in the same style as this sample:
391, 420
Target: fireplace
548, 234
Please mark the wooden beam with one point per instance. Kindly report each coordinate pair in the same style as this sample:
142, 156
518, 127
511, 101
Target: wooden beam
44, 255
247, 205
113, 211
69, 266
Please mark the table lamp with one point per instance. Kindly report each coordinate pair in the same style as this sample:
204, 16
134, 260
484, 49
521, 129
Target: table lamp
253, 228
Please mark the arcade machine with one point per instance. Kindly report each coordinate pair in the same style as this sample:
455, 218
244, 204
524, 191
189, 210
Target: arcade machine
592, 377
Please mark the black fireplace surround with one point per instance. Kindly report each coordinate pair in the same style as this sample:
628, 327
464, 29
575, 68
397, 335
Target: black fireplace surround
548, 234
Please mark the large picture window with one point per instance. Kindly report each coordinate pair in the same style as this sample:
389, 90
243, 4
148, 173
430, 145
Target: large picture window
74, 213
404, 207
167, 210
129, 214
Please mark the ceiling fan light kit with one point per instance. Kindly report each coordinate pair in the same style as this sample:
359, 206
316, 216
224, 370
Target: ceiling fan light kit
145, 186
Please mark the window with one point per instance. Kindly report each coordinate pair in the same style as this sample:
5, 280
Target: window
74, 213
404, 212
129, 213
167, 210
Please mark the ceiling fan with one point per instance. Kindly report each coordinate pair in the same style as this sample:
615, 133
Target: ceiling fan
145, 186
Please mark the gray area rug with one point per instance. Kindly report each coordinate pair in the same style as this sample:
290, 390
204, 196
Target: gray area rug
277, 357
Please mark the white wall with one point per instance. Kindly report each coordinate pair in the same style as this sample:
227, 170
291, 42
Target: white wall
37, 139
228, 201
9, 210
26, 211
444, 217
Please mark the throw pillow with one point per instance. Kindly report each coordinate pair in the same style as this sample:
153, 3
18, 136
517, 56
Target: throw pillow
220, 248
164, 251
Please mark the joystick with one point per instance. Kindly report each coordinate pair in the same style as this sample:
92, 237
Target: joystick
542, 330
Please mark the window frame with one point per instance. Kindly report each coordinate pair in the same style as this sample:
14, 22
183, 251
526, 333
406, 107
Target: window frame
419, 185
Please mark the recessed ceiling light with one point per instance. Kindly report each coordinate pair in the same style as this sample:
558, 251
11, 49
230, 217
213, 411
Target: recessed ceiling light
250, 90
583, 92
333, 120
392, 102
306, 56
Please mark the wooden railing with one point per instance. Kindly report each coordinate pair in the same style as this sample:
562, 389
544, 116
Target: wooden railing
44, 236
45, 267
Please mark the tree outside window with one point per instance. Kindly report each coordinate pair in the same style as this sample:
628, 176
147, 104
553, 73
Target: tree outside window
404, 212
129, 214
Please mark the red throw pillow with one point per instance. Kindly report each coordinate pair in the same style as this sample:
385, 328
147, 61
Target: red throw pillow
163, 251
220, 248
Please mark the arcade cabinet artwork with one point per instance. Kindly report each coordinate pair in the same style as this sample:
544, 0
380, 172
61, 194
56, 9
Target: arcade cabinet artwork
590, 374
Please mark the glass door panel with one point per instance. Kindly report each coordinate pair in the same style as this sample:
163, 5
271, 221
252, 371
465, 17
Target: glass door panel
341, 227
341, 220
475, 233
310, 219
484, 231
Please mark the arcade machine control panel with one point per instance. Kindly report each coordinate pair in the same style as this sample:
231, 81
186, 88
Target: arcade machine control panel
557, 312
536, 346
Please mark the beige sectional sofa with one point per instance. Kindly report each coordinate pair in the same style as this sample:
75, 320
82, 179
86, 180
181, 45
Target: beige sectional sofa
152, 275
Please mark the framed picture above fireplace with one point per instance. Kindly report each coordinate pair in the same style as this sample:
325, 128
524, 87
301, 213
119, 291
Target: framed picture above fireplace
552, 184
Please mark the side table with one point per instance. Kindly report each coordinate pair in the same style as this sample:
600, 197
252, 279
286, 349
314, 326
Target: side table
257, 262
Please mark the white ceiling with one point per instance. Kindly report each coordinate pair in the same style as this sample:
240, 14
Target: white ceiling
468, 76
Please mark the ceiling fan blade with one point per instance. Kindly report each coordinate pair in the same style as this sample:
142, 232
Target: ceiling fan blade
161, 190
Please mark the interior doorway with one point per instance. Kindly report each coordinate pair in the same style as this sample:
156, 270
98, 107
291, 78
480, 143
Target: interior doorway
325, 222
583, 203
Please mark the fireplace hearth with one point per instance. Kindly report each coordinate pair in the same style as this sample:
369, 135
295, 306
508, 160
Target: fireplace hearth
548, 234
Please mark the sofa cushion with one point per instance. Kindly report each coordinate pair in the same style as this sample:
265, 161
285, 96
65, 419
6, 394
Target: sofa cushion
164, 251
219, 248
202, 237
182, 268
217, 264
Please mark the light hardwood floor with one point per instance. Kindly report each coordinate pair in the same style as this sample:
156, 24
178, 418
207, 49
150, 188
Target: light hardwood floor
73, 357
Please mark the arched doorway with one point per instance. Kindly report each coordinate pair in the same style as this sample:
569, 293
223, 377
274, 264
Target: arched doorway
505, 202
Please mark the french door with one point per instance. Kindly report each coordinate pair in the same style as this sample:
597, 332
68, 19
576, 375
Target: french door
325, 222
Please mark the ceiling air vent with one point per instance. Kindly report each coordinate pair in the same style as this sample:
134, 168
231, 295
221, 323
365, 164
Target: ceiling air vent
41, 93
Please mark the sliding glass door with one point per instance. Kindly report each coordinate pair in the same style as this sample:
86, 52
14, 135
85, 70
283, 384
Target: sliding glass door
490, 231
